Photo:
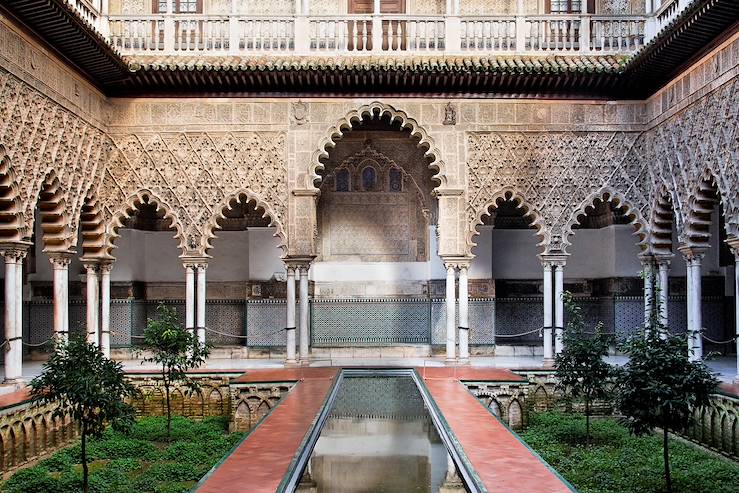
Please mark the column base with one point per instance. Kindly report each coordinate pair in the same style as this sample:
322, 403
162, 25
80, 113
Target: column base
464, 361
291, 363
17, 382
548, 362
451, 361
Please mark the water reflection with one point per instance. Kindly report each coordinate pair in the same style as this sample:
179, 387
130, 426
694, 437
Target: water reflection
380, 438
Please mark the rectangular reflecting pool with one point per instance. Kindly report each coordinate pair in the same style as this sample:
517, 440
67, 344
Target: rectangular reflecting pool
378, 435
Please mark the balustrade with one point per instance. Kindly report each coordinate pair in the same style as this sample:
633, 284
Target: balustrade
553, 33
359, 34
488, 34
618, 35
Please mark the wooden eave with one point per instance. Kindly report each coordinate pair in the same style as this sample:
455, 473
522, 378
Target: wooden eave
560, 76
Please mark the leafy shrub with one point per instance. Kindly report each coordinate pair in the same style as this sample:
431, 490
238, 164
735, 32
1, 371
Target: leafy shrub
142, 461
31, 480
125, 448
618, 462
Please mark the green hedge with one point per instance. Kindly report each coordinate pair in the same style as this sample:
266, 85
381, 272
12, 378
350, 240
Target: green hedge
139, 462
618, 462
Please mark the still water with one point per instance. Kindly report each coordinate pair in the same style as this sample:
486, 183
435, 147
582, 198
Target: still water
379, 438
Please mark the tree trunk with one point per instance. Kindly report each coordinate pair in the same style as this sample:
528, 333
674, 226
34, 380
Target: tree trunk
169, 408
587, 420
83, 449
169, 413
666, 454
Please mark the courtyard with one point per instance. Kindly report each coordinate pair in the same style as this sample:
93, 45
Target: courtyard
369, 245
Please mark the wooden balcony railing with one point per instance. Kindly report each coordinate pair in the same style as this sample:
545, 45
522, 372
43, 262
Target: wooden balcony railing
170, 34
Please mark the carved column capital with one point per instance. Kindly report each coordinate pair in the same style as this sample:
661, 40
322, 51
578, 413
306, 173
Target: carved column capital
299, 264
91, 265
194, 263
60, 260
692, 254
15, 251
105, 266
734, 246
553, 260
663, 260
457, 262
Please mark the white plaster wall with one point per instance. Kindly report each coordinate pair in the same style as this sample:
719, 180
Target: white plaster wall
514, 254
503, 254
482, 265
264, 254
231, 257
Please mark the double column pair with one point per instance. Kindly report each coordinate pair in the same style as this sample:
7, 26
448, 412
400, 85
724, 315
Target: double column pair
195, 297
14, 255
656, 286
553, 266
97, 303
297, 271
451, 302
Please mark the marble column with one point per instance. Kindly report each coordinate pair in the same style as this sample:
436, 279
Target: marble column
201, 301
304, 313
464, 322
697, 307
736, 308
189, 296
92, 301
105, 268
60, 264
13, 371
16, 346
548, 349
559, 308
689, 308
451, 302
663, 284
290, 329
693, 259
648, 270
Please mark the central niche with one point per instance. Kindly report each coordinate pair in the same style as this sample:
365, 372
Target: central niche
375, 203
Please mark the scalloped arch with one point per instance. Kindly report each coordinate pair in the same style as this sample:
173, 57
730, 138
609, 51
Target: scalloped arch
662, 222
502, 195
334, 133
258, 202
92, 225
696, 229
124, 212
12, 225
608, 194
55, 224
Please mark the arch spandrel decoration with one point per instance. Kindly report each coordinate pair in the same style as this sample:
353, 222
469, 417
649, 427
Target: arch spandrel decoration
557, 172
196, 173
379, 109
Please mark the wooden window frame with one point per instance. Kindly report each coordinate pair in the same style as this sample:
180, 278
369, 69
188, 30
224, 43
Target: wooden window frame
176, 7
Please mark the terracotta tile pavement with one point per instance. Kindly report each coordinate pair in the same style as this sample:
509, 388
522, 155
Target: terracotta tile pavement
467, 373
286, 374
15, 397
260, 462
731, 389
503, 463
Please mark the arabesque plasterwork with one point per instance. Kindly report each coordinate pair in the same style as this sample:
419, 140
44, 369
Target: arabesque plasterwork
194, 157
